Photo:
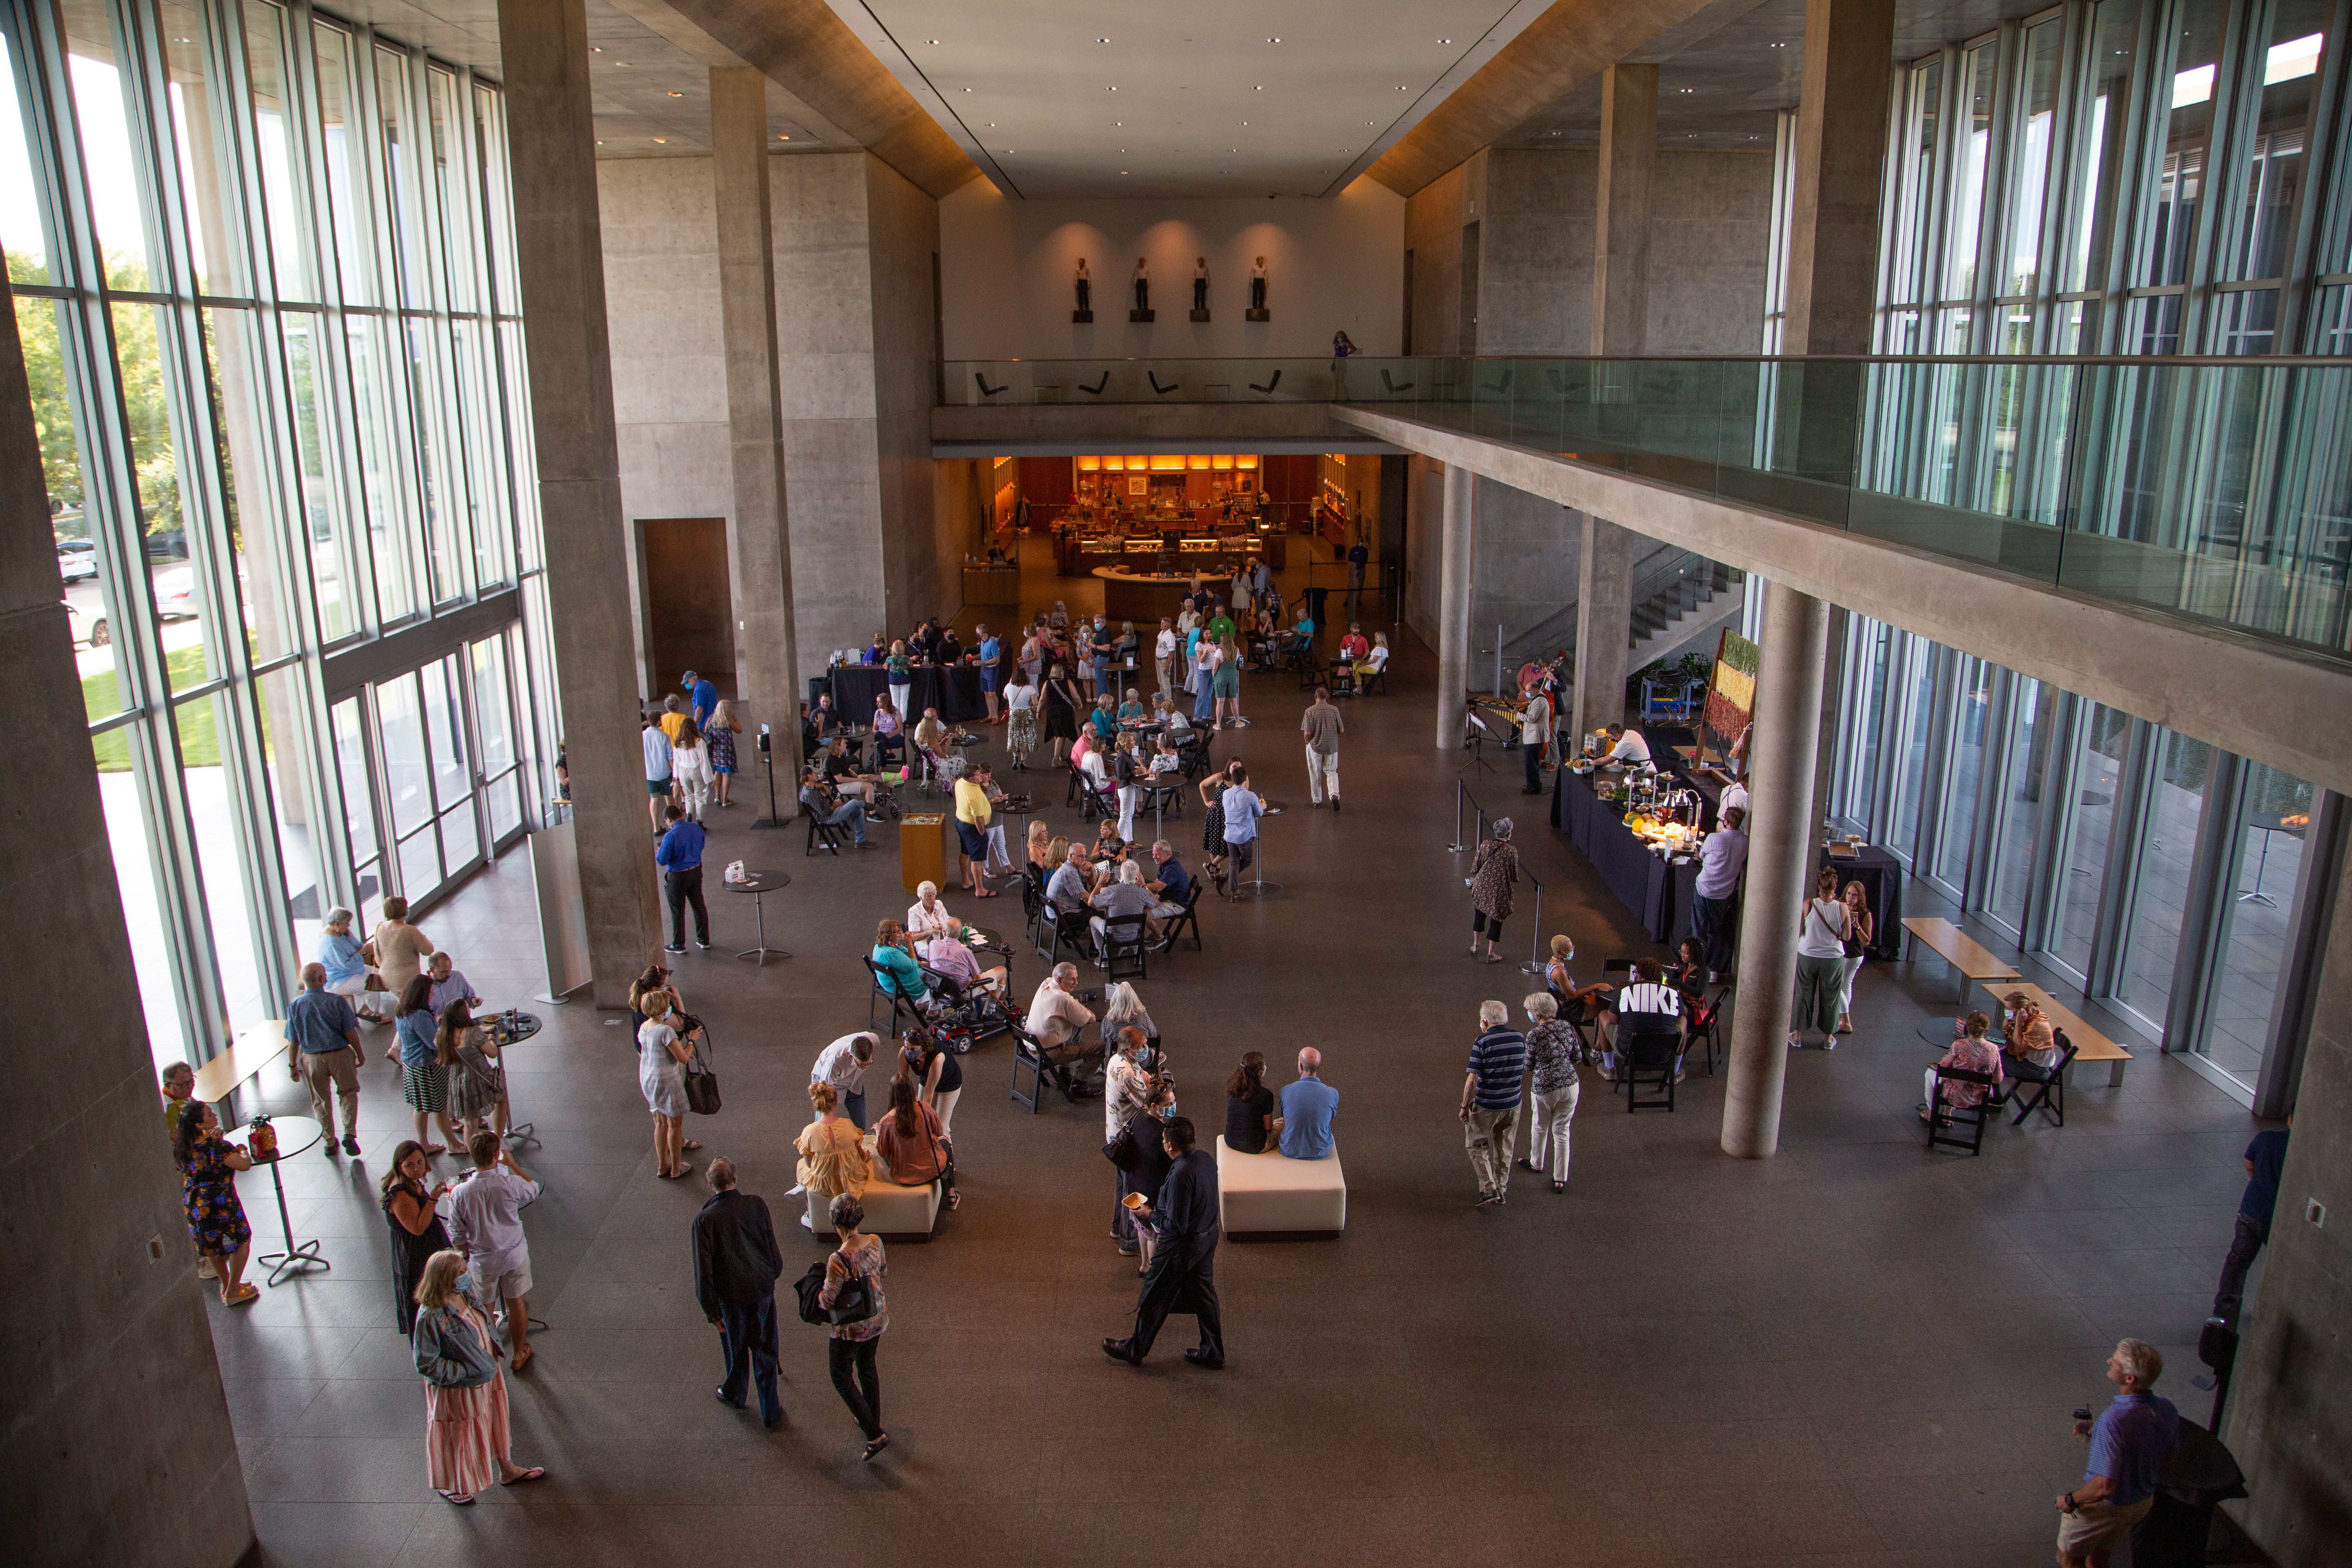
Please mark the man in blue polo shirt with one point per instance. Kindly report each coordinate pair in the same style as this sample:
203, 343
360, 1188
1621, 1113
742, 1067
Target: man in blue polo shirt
1490, 1099
2265, 1159
679, 856
1307, 1108
701, 697
2129, 1443
325, 1034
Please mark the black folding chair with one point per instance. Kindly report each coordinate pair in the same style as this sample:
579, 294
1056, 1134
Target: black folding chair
885, 985
820, 831
1648, 1057
1706, 1022
1123, 949
1029, 1056
1189, 916
2046, 1089
1945, 1121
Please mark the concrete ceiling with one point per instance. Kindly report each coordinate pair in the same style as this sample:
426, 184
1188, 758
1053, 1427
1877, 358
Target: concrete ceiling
1724, 74
650, 72
1205, 103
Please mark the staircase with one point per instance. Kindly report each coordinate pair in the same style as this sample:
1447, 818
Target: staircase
1686, 598
1678, 598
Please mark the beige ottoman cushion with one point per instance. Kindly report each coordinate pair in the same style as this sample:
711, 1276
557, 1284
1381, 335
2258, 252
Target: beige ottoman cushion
1269, 1194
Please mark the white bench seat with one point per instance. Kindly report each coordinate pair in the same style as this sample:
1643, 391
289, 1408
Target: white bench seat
1269, 1194
892, 1212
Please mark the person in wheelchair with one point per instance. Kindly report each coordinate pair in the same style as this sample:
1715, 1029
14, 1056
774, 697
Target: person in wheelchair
951, 960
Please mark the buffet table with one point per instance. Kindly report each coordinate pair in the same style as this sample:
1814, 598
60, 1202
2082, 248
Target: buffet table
953, 689
1658, 893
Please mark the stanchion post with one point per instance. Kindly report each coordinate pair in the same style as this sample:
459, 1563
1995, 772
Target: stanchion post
1457, 847
1534, 964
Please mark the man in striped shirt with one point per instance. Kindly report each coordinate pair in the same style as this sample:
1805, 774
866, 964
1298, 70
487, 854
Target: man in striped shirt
1490, 1099
1649, 1005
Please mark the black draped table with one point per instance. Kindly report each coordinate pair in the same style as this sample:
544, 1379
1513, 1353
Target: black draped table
953, 689
1881, 877
1659, 894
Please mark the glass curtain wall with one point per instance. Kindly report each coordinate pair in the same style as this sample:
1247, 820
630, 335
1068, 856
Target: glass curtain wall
2118, 176
2084, 837
261, 266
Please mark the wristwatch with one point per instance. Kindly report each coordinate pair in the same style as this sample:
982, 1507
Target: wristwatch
2071, 1504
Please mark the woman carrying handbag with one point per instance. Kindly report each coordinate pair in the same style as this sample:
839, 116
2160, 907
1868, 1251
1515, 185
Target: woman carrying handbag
853, 1299
1822, 927
466, 1443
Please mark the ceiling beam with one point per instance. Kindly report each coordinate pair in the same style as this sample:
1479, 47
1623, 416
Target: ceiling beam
804, 49
1560, 49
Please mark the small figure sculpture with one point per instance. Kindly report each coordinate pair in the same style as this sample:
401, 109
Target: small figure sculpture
1086, 287
1200, 283
1143, 284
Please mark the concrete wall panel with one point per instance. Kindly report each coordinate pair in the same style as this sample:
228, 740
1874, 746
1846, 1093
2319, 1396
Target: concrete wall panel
1332, 264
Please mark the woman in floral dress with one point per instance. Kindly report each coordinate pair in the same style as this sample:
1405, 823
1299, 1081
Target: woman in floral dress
208, 1167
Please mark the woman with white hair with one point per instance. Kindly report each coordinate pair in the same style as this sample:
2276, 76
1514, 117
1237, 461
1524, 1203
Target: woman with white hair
346, 967
1493, 873
1122, 1008
927, 917
1555, 1050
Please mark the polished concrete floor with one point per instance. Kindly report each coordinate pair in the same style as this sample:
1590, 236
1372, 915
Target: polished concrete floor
1857, 1352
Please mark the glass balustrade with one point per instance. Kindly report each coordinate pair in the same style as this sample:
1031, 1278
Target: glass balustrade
2216, 489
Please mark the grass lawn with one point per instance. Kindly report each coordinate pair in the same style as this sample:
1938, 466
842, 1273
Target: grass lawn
199, 739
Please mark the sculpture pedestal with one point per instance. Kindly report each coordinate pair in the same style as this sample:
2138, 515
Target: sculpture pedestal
1085, 318
1142, 316
1260, 314
1200, 315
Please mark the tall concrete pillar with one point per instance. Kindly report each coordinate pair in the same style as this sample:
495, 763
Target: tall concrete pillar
1787, 715
1621, 235
560, 267
114, 1397
1841, 144
1604, 620
1453, 606
2286, 1428
759, 535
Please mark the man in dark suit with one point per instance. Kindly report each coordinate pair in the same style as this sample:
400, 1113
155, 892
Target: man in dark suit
736, 1265
1183, 1274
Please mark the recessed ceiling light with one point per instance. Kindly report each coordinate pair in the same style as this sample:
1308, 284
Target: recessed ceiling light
1102, 40
1273, 40
661, 141
1685, 90
931, 40
595, 49
1118, 123
967, 89
1444, 40
1259, 87
784, 136
1399, 87
1245, 122
677, 95
1110, 89
600, 141
1784, 46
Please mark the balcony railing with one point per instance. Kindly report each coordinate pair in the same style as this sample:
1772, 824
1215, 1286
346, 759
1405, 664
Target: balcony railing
2219, 490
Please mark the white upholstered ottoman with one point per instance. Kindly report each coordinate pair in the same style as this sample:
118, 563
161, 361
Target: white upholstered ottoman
1268, 1195
892, 1212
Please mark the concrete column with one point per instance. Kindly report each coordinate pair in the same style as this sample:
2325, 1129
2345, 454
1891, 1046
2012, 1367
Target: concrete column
759, 533
2288, 1429
1780, 849
1841, 144
560, 267
1620, 236
114, 1396
1604, 618
1453, 606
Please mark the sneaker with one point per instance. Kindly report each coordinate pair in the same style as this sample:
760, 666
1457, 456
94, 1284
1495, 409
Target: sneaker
330, 1149
702, 944
674, 947
1488, 1195
1829, 1044
351, 1144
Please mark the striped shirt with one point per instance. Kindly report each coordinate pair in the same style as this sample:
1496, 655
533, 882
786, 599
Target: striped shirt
1498, 1060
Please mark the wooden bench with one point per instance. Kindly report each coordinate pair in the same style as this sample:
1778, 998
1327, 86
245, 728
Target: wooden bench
258, 1047
1957, 949
2090, 1046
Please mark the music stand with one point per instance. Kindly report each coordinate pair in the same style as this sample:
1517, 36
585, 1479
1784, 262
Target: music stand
1476, 733
1257, 885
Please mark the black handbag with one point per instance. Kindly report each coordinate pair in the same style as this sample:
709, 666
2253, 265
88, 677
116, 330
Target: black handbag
854, 1302
701, 1086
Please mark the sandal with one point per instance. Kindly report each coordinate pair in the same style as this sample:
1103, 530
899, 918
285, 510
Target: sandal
462, 1500
954, 1198
1495, 958
537, 1472
433, 1149
520, 1361
689, 1144
245, 1292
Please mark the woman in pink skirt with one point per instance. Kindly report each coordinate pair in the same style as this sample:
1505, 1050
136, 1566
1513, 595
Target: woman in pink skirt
466, 1441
